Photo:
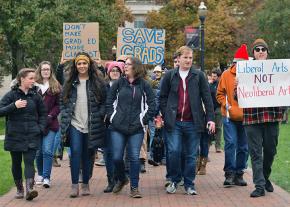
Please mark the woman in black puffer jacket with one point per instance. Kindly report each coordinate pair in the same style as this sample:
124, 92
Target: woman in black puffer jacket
25, 125
82, 106
130, 106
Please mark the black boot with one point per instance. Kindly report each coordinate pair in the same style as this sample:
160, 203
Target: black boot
229, 181
268, 186
142, 165
20, 189
30, 193
239, 180
258, 192
111, 184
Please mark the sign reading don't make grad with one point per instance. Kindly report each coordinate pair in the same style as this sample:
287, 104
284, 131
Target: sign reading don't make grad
263, 83
146, 44
79, 37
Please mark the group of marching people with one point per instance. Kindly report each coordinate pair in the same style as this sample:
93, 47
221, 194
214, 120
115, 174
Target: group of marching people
114, 113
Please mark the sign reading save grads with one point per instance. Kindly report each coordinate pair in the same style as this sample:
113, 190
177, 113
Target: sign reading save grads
78, 37
263, 83
146, 44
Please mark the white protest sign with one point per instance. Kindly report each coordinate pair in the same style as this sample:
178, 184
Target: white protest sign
263, 83
78, 37
146, 44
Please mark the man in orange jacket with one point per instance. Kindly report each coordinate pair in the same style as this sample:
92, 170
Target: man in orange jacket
236, 146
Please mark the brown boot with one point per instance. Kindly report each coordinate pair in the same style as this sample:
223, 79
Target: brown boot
85, 189
74, 190
30, 192
197, 166
55, 163
202, 169
20, 189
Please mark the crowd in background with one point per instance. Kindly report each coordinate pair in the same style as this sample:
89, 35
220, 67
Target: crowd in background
114, 109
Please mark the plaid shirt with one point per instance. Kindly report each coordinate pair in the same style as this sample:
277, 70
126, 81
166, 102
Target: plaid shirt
262, 115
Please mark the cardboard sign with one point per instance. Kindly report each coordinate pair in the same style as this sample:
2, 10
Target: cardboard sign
146, 44
263, 83
79, 37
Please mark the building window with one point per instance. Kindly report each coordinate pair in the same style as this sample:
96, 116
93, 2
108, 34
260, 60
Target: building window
139, 24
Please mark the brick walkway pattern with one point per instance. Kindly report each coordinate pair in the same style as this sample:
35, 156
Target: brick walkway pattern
209, 187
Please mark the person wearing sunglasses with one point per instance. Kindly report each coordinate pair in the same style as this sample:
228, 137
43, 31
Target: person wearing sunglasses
262, 129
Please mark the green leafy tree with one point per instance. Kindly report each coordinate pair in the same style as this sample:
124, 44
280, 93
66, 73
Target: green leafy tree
224, 20
274, 26
33, 28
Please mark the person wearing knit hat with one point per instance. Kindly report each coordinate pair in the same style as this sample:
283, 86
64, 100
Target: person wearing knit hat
259, 42
115, 70
261, 49
262, 130
236, 146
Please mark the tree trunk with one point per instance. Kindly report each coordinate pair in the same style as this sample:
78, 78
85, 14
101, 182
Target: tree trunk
17, 57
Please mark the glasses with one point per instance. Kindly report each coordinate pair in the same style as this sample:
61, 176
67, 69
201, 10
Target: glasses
258, 49
115, 71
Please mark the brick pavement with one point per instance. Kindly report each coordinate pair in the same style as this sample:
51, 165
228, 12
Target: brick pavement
209, 187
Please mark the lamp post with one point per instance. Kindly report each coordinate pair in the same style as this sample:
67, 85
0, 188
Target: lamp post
114, 50
202, 10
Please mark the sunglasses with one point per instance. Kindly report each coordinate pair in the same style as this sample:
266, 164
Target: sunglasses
258, 49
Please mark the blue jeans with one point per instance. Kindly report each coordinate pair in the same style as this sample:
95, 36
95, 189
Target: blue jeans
184, 138
108, 155
204, 144
45, 154
151, 127
80, 154
56, 146
236, 146
134, 142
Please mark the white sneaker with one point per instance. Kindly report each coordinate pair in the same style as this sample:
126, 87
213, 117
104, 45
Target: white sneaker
39, 180
46, 183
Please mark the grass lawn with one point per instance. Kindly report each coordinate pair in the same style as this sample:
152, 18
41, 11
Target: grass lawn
2, 125
6, 180
281, 166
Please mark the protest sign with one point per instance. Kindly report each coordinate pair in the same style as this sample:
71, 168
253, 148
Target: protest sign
79, 37
263, 83
146, 44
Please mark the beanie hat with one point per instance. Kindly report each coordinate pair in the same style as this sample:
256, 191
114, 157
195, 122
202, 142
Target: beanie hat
259, 42
119, 65
241, 53
157, 69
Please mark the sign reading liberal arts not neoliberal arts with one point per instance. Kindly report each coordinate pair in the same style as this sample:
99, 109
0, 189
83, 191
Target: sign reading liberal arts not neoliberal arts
263, 83
79, 37
146, 44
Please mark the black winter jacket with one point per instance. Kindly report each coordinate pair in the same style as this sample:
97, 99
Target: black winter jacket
198, 91
130, 106
24, 126
96, 112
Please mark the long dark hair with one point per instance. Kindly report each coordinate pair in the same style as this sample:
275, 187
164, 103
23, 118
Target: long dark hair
95, 80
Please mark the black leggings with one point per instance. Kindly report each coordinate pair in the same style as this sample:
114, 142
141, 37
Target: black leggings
28, 157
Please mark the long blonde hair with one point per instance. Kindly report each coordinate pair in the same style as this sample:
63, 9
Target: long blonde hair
54, 85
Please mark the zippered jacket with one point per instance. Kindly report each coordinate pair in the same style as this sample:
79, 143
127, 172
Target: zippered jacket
197, 93
130, 106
